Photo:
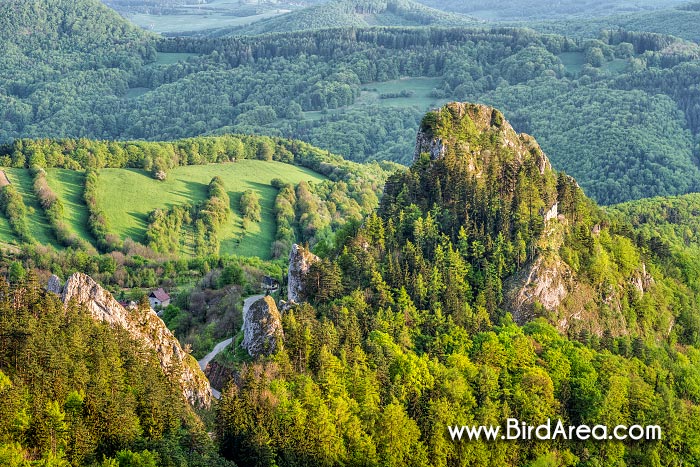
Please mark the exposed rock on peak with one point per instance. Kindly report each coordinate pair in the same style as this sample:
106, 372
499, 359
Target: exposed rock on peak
262, 327
300, 260
143, 325
461, 128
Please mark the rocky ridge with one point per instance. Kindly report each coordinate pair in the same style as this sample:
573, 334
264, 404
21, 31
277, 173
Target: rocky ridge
464, 144
145, 326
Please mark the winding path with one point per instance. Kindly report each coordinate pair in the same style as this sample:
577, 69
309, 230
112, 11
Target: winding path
218, 348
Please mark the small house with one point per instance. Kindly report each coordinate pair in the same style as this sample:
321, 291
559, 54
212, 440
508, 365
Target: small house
159, 298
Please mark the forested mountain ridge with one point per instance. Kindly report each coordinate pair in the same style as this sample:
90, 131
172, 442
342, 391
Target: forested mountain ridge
355, 13
404, 328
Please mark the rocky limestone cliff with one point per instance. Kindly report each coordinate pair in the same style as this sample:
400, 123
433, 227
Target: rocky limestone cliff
144, 326
300, 260
449, 128
262, 327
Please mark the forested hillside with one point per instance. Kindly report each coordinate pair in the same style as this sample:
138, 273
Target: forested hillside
361, 92
356, 13
677, 21
78, 392
413, 331
537, 9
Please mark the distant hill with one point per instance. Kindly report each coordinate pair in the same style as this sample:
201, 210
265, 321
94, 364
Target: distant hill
356, 13
510, 10
679, 21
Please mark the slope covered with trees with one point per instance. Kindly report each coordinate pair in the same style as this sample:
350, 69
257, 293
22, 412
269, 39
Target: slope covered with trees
410, 333
356, 13
536, 9
78, 392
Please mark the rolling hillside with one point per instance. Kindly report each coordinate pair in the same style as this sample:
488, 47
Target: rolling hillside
117, 196
129, 195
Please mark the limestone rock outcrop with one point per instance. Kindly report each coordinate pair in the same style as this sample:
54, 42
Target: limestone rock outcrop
54, 285
262, 327
463, 117
145, 326
300, 260
545, 282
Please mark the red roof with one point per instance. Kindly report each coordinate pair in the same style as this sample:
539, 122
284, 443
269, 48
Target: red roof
160, 295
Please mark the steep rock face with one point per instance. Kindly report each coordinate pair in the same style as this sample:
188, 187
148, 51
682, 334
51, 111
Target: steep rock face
145, 326
300, 260
262, 327
54, 285
219, 375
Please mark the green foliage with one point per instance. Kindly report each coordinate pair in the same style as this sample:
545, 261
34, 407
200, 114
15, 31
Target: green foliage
250, 206
355, 13
15, 210
244, 84
405, 330
75, 390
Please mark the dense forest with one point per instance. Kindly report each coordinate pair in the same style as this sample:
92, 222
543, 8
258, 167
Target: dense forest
675, 21
535, 9
76, 392
156, 89
410, 332
354, 13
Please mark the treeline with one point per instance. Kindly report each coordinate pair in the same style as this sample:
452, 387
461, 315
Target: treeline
203, 221
210, 217
164, 233
285, 216
162, 156
16, 212
250, 208
54, 210
97, 221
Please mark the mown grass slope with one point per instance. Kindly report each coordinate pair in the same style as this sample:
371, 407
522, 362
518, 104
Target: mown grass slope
38, 224
69, 186
129, 195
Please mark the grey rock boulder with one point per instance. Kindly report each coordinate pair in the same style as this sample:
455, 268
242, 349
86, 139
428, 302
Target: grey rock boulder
262, 328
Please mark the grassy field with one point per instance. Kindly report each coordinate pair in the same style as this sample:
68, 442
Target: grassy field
129, 195
371, 93
572, 61
421, 88
168, 58
68, 185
